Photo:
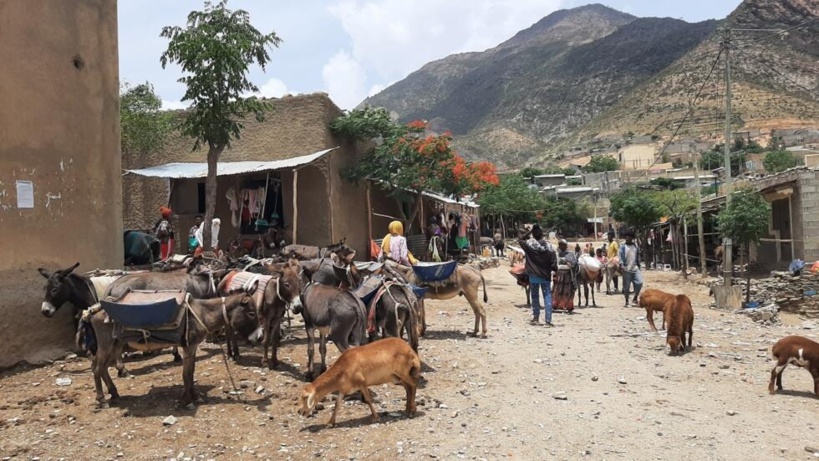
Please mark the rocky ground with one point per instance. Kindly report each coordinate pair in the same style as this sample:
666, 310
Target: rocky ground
598, 386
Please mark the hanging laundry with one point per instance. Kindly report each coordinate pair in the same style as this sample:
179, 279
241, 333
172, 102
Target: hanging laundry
234, 206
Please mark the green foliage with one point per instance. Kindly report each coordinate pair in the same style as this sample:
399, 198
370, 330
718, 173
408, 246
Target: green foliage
745, 219
215, 50
714, 159
554, 169
564, 214
665, 183
779, 160
512, 198
367, 124
636, 208
143, 125
530, 173
601, 163
676, 204
574, 182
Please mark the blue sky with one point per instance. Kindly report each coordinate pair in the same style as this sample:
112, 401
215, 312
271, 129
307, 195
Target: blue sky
354, 48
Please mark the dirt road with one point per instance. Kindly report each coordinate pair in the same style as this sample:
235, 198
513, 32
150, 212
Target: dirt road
598, 386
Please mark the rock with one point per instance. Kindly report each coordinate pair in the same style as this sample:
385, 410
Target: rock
62, 381
811, 449
260, 390
170, 421
595, 378
246, 384
731, 413
70, 356
622, 380
560, 396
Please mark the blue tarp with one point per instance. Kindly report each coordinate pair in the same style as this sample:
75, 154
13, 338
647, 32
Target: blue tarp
434, 272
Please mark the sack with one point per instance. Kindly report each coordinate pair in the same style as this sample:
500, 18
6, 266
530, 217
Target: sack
589, 263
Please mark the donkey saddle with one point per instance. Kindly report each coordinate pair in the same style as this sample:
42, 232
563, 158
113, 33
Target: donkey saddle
149, 316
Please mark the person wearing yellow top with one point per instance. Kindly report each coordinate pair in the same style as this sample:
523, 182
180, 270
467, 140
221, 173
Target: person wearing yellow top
394, 245
612, 253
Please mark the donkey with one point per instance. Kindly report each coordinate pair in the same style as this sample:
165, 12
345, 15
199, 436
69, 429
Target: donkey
65, 286
307, 252
396, 310
612, 272
337, 314
467, 282
282, 289
586, 278
207, 316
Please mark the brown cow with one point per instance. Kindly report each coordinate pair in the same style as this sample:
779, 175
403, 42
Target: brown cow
679, 319
653, 300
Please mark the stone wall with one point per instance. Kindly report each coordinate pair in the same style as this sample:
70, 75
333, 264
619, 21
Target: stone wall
59, 129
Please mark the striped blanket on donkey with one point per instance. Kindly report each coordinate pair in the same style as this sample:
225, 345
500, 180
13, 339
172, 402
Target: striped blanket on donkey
246, 282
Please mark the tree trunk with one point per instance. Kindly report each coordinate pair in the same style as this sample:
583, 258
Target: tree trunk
419, 202
748, 275
210, 195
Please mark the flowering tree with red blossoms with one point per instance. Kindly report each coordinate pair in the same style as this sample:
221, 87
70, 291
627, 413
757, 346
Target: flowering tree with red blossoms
406, 161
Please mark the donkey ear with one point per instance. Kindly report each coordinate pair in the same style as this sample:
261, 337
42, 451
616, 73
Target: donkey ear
311, 400
65, 272
295, 263
44, 272
350, 258
334, 258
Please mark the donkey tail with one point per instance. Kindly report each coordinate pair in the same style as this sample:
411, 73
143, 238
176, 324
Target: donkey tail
358, 336
485, 297
412, 318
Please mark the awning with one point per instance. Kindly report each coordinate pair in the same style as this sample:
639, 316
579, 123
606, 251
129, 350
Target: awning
200, 170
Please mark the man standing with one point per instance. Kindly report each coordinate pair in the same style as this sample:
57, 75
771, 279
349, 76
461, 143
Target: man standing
612, 252
541, 262
192, 243
630, 265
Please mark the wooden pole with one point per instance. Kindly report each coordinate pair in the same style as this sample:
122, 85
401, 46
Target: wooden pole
685, 247
700, 234
369, 213
295, 206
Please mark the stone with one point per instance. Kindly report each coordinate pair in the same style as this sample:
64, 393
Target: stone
170, 421
260, 390
622, 380
62, 381
560, 396
731, 413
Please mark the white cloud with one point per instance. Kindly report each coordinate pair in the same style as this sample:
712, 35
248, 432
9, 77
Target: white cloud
391, 38
345, 80
173, 105
274, 88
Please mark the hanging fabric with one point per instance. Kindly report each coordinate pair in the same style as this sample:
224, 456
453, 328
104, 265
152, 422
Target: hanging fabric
234, 206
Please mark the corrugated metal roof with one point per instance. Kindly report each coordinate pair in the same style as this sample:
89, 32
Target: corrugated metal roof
200, 170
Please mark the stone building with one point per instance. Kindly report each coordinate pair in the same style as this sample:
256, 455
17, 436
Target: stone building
288, 149
60, 188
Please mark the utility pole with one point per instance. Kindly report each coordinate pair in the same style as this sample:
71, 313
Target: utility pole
700, 235
728, 262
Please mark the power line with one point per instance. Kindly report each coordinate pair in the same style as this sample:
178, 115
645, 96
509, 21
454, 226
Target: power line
778, 33
769, 66
691, 108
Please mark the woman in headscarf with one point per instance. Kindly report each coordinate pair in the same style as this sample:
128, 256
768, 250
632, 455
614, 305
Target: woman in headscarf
394, 246
163, 231
564, 286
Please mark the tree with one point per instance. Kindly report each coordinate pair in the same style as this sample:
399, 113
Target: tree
554, 169
215, 51
564, 214
513, 198
713, 159
144, 126
405, 159
744, 221
677, 205
637, 209
601, 163
530, 173
779, 160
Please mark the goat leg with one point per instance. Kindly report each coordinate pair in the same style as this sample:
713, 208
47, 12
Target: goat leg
339, 401
365, 393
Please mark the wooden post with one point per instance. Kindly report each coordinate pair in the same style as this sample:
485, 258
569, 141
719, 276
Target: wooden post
790, 226
685, 247
700, 235
295, 206
369, 214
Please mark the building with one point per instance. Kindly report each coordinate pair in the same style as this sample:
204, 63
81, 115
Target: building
291, 157
637, 156
60, 187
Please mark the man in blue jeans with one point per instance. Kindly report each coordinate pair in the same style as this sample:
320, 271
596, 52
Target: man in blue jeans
541, 263
630, 266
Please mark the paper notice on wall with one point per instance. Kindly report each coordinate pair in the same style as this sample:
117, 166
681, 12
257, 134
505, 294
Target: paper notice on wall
25, 194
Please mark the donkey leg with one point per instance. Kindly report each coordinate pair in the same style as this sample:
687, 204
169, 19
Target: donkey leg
176, 357
120, 366
594, 302
323, 352
776, 376
189, 395
95, 367
311, 349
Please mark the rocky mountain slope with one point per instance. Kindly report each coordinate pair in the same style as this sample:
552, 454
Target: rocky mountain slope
590, 70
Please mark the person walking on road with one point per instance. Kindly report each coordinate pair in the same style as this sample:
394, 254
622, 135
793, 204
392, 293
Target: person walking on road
630, 266
541, 263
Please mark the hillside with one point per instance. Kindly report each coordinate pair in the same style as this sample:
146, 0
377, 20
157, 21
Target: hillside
582, 72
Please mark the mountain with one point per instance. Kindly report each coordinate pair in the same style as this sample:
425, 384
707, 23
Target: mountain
579, 73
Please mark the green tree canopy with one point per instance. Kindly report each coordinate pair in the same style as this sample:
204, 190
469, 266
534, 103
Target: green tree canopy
215, 51
554, 169
744, 221
635, 208
530, 173
600, 163
144, 126
404, 158
715, 157
779, 160
512, 198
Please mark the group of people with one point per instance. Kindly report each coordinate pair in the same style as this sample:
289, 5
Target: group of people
553, 273
163, 231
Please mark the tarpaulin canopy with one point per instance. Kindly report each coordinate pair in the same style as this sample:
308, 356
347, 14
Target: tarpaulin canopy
200, 170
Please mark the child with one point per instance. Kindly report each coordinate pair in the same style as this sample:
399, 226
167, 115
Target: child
601, 256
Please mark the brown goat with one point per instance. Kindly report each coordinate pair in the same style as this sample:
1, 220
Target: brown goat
389, 360
653, 300
799, 351
679, 319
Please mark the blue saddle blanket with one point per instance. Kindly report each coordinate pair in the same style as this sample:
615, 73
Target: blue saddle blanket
434, 272
419, 291
146, 309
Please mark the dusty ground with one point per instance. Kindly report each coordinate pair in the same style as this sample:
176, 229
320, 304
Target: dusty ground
598, 386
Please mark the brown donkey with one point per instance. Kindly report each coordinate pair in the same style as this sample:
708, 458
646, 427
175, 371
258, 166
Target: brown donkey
679, 320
